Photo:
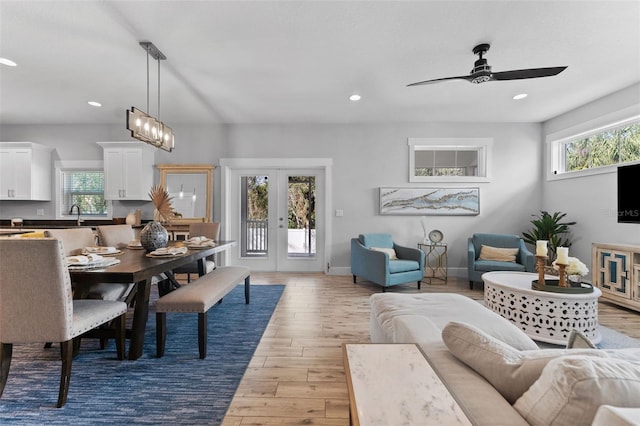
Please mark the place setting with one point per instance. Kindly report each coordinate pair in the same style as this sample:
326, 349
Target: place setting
134, 245
201, 242
89, 261
173, 251
102, 251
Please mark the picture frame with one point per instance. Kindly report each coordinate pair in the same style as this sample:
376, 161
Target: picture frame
430, 201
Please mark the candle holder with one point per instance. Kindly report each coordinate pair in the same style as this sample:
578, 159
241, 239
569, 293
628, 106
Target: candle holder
540, 262
563, 276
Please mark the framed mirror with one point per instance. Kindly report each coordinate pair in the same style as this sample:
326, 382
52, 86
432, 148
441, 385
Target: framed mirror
450, 159
191, 188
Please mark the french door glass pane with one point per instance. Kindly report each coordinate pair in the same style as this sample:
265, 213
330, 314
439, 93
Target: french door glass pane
254, 216
301, 211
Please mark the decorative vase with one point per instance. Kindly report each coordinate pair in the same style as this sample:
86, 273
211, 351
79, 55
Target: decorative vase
131, 219
153, 236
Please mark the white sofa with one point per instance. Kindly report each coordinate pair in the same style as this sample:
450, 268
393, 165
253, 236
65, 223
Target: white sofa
472, 375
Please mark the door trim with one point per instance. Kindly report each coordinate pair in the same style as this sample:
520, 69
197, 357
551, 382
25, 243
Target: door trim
325, 164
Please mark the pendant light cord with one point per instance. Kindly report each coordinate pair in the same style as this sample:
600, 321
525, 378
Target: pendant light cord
158, 60
147, 49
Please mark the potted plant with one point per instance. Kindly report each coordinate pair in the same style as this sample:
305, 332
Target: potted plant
549, 227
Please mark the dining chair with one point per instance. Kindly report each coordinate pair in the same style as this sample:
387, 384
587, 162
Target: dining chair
117, 236
201, 229
36, 305
73, 241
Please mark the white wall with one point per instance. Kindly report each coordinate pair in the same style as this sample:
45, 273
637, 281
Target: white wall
591, 201
365, 157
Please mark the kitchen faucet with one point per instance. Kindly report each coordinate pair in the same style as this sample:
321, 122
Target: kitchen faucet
71, 212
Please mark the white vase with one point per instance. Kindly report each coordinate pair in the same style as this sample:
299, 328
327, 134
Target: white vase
131, 219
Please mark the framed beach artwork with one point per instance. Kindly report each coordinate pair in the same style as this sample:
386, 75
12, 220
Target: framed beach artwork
429, 201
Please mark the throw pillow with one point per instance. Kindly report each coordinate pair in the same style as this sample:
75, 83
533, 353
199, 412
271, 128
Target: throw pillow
509, 370
570, 390
498, 254
391, 252
577, 339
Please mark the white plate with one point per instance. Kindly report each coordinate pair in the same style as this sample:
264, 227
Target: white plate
94, 265
113, 253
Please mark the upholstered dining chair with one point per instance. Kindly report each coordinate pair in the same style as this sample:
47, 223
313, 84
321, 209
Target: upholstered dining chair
36, 305
117, 236
73, 241
201, 229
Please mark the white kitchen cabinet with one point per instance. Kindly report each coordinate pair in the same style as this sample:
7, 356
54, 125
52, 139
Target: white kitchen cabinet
128, 170
25, 171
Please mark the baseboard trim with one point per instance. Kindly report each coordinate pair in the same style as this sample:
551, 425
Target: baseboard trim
346, 270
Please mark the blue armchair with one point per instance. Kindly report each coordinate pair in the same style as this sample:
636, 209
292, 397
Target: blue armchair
372, 258
524, 260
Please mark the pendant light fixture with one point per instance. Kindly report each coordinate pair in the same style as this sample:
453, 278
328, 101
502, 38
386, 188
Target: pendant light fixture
143, 126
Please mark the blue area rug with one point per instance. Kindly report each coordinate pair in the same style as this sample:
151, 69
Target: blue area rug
178, 388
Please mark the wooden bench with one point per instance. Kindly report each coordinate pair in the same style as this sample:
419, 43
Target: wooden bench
198, 297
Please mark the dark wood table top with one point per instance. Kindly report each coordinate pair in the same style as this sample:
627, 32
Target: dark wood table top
136, 266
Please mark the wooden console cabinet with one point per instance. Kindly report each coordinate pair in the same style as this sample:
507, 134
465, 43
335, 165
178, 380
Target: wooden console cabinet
616, 271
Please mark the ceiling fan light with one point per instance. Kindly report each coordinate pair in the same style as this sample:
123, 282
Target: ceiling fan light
481, 79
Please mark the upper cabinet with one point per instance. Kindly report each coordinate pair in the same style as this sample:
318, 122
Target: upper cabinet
25, 171
128, 170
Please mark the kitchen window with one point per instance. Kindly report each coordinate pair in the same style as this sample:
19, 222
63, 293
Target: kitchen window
81, 184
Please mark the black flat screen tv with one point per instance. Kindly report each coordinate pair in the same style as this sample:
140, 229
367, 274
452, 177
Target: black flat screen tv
629, 193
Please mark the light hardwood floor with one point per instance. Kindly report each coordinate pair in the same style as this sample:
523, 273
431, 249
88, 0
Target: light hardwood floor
296, 376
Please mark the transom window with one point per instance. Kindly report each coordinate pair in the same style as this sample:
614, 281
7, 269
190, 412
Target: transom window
607, 146
449, 159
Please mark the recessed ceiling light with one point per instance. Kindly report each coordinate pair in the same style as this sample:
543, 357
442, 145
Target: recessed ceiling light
8, 62
520, 96
355, 97
94, 103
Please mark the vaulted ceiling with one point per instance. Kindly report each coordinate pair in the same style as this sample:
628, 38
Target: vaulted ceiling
299, 61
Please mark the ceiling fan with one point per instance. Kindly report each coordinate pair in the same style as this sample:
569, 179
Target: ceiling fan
481, 72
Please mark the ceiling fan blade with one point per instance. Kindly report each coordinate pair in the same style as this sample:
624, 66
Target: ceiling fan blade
437, 80
528, 73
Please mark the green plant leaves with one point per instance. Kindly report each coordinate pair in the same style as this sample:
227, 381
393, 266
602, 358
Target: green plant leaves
549, 227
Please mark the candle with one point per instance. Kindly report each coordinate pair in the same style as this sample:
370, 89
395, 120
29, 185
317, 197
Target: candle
563, 255
541, 248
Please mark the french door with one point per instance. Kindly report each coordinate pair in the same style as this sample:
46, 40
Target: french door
277, 218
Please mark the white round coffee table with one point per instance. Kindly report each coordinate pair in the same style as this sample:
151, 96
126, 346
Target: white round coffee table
544, 316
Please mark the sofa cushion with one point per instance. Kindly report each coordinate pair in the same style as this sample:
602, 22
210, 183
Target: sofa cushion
495, 265
509, 370
397, 266
570, 390
390, 251
387, 309
498, 254
481, 402
608, 415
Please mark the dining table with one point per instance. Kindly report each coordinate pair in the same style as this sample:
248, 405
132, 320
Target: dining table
139, 267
